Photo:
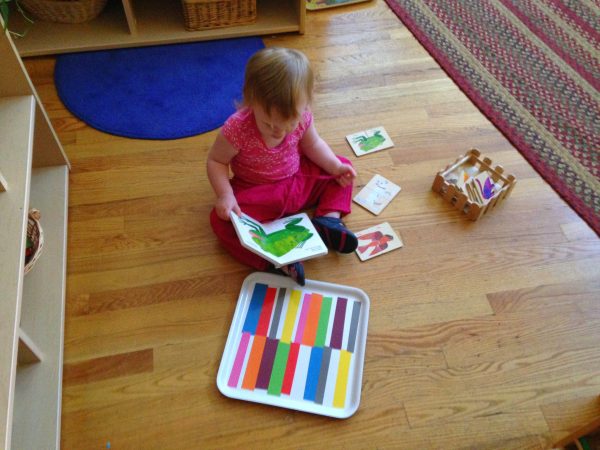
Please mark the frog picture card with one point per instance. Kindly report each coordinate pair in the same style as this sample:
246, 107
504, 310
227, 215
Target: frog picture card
377, 194
369, 141
283, 241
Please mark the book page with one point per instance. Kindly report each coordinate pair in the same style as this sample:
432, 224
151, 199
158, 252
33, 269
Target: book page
282, 241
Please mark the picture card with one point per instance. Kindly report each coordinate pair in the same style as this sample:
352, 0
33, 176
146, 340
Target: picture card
485, 186
480, 188
377, 194
369, 141
376, 241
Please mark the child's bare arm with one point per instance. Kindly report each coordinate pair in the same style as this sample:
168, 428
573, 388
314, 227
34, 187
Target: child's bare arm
217, 168
317, 150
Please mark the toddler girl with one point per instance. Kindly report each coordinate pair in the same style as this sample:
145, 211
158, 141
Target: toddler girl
280, 164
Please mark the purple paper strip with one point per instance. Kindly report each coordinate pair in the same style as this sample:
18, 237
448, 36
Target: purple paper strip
337, 333
266, 364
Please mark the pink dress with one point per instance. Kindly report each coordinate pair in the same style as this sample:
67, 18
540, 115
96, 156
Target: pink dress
256, 163
270, 183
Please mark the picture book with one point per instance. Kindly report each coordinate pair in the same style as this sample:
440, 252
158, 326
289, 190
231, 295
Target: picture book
377, 194
283, 241
376, 241
369, 141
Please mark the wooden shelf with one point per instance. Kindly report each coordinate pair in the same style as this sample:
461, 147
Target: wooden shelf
152, 22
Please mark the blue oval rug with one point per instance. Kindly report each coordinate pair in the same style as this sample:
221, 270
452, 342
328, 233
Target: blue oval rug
159, 92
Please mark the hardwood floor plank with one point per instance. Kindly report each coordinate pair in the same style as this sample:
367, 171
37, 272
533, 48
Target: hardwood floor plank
137, 296
107, 367
545, 297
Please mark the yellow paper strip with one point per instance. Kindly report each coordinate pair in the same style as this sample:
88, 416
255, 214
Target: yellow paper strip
290, 317
339, 396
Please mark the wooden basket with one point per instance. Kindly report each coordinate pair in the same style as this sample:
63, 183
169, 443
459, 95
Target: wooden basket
69, 11
35, 240
445, 185
207, 14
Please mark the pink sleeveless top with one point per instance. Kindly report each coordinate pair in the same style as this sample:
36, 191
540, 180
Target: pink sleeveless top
255, 163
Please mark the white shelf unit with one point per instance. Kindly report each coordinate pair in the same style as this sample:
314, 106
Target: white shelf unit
125, 23
35, 172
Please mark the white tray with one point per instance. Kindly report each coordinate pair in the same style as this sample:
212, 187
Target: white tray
289, 346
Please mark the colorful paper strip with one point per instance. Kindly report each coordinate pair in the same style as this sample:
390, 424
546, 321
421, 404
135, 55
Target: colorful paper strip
290, 369
234, 377
302, 319
277, 314
323, 376
281, 359
323, 322
337, 334
290, 317
266, 364
312, 320
353, 327
312, 376
265, 315
254, 308
341, 384
254, 360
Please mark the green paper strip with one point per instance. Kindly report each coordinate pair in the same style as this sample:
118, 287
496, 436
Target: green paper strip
323, 322
281, 357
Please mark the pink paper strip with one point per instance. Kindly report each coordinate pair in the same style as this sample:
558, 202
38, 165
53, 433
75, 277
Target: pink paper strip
234, 377
302, 320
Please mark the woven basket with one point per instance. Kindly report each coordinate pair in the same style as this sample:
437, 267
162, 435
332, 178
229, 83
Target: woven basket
69, 11
35, 240
206, 14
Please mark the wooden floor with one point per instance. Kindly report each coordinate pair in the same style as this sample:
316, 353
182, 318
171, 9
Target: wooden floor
481, 335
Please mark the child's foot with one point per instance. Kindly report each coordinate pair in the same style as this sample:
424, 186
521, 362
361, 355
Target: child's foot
335, 235
295, 271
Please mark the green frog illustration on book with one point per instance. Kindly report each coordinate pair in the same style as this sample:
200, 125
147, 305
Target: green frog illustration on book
281, 241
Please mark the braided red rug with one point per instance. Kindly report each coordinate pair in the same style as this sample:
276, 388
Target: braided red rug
533, 68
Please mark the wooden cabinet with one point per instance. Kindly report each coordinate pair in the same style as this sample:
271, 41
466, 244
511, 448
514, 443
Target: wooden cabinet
34, 175
130, 23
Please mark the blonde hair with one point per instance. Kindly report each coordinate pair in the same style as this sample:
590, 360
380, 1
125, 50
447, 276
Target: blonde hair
278, 78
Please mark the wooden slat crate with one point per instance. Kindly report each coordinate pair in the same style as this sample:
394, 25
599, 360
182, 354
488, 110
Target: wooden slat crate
459, 199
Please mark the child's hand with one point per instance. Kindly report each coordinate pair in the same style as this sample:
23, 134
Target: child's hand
345, 174
225, 205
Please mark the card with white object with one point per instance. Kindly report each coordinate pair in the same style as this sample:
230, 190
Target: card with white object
376, 241
377, 194
369, 141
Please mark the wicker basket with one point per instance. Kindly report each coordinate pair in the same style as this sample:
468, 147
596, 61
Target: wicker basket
69, 11
35, 240
206, 14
